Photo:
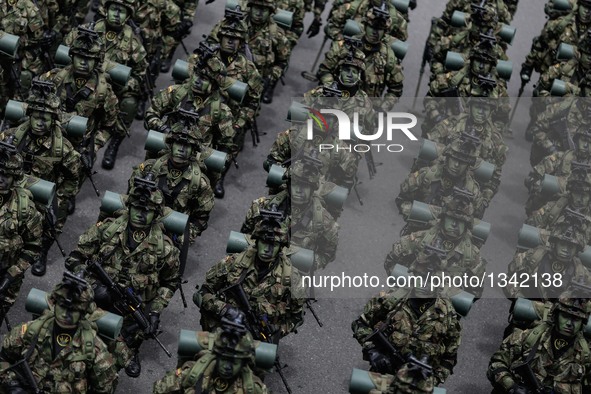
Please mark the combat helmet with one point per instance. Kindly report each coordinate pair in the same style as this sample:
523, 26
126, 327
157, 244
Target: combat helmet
88, 43
569, 304
306, 171
414, 377
265, 3
209, 65
233, 24
460, 206
579, 178
570, 232
129, 4
484, 50
11, 162
484, 15
42, 98
73, 292
584, 43
465, 148
179, 132
146, 194
379, 17
232, 339
271, 229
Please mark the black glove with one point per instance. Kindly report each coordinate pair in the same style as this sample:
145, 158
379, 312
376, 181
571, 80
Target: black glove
412, 4
525, 73
15, 387
49, 37
314, 28
517, 389
184, 28
551, 150
379, 362
86, 161
231, 313
154, 318
165, 129
5, 284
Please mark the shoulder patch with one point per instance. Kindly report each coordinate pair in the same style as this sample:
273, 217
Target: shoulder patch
141, 167
99, 223
24, 329
178, 372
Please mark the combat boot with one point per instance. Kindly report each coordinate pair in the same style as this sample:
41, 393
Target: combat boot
165, 64
268, 93
134, 368
71, 205
218, 190
141, 110
111, 153
39, 267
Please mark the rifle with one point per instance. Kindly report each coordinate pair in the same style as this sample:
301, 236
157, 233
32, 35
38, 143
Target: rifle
529, 378
254, 132
309, 305
126, 301
519, 94
181, 283
380, 340
14, 74
427, 56
371, 165
23, 370
51, 220
87, 167
258, 327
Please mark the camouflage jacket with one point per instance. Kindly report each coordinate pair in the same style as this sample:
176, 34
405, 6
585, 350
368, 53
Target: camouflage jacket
569, 72
548, 215
563, 375
433, 332
187, 191
215, 117
540, 260
156, 18
310, 228
21, 226
83, 366
49, 157
431, 186
240, 68
356, 10
23, 19
382, 73
277, 297
463, 256
558, 164
151, 269
184, 379
123, 47
91, 98
188, 8
462, 43
298, 7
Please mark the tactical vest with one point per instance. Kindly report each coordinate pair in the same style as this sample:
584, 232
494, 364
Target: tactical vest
18, 209
170, 196
197, 374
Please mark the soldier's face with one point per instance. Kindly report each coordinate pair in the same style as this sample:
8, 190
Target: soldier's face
564, 251
479, 67
66, 317
181, 153
480, 113
568, 325
453, 227
585, 60
83, 65
259, 14
140, 216
300, 192
373, 34
584, 146
41, 122
349, 75
5, 182
456, 168
116, 15
579, 199
230, 44
267, 251
201, 85
584, 14
227, 368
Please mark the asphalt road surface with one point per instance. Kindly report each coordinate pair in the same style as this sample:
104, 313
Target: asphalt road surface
320, 360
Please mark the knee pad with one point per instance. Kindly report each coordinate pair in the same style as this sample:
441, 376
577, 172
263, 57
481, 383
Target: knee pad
128, 107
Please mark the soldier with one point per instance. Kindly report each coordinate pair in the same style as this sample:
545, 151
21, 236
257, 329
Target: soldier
553, 356
414, 377
356, 10
22, 226
382, 71
23, 19
451, 234
85, 91
61, 348
576, 200
200, 95
559, 164
136, 253
298, 8
433, 184
231, 39
264, 273
557, 261
311, 226
123, 46
184, 186
171, 41
48, 155
226, 368
416, 322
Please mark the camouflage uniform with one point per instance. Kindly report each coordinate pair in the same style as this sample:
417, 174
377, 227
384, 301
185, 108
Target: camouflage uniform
543, 260
186, 190
205, 368
20, 230
382, 71
276, 297
23, 19
62, 360
187, 8
298, 7
144, 259
561, 365
462, 256
429, 328
357, 10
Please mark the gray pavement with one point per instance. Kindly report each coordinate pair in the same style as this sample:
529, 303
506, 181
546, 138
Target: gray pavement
320, 359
